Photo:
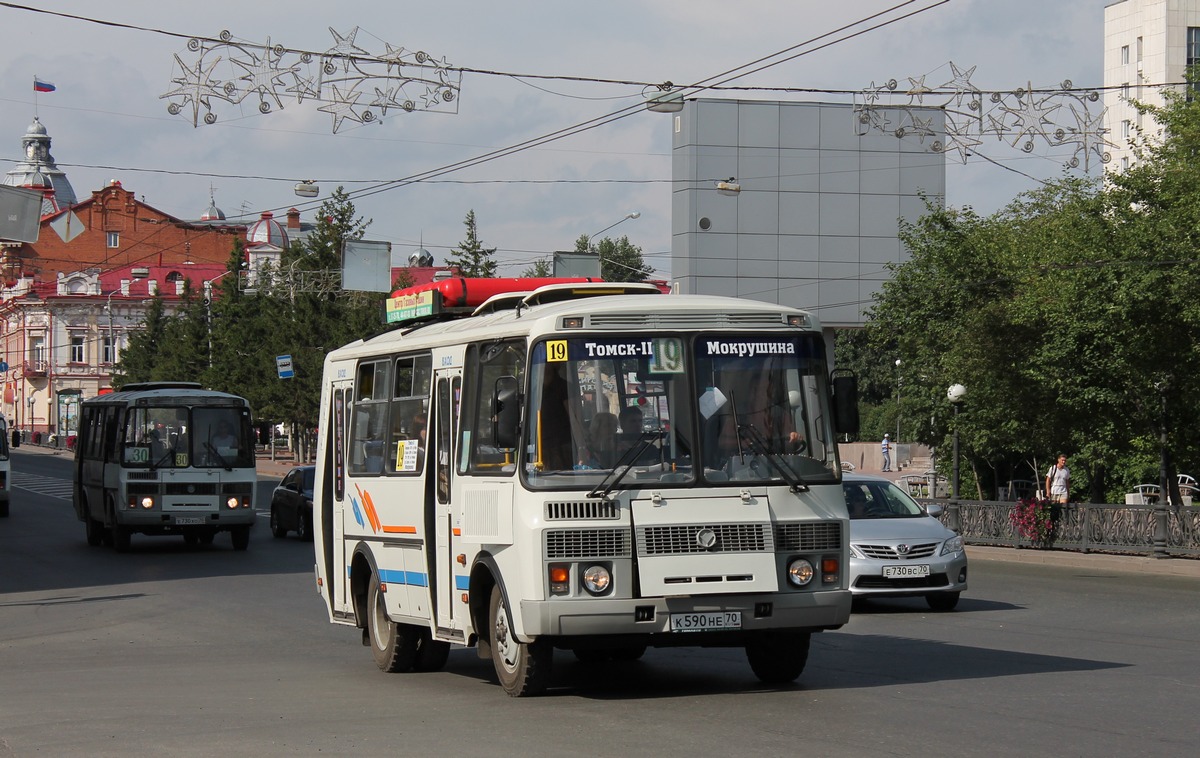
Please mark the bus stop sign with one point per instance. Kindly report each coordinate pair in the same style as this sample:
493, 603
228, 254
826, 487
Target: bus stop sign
284, 364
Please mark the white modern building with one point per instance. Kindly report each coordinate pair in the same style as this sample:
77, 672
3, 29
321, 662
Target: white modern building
1148, 45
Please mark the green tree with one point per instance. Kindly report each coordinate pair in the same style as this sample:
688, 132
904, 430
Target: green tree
136, 362
620, 259
471, 258
539, 270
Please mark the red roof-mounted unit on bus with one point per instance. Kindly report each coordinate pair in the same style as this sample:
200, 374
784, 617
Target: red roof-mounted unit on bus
449, 298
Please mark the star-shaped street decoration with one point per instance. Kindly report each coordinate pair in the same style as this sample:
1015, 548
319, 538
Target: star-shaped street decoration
339, 78
961, 144
1088, 136
433, 97
393, 57
195, 86
871, 94
922, 127
342, 107
917, 90
960, 84
345, 48
1030, 116
261, 77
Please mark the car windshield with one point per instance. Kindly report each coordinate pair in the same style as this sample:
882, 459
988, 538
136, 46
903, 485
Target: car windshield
879, 499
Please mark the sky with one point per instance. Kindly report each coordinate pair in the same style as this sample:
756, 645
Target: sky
534, 67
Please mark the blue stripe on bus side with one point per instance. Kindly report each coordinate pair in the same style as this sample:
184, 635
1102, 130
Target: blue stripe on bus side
411, 578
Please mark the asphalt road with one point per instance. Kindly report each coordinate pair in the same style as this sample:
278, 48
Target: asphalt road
170, 650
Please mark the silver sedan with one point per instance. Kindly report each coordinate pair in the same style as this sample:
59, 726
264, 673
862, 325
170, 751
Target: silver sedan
897, 549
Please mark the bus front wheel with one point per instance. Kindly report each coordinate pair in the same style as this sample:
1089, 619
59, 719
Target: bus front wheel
240, 536
523, 668
394, 646
95, 530
778, 657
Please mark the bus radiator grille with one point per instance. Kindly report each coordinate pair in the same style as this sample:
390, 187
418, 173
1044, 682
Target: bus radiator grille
824, 535
682, 539
564, 544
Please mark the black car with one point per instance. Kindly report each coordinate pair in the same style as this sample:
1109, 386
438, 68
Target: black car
291, 503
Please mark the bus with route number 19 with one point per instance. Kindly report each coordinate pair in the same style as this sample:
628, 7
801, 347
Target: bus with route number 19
165, 458
599, 468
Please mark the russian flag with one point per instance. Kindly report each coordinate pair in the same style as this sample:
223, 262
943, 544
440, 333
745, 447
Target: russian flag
42, 86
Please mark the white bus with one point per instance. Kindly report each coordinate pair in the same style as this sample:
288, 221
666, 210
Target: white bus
165, 458
588, 467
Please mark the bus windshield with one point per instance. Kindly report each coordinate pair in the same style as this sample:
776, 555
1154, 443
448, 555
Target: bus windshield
760, 405
598, 403
182, 437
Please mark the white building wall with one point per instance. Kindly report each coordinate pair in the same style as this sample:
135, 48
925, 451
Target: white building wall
1145, 49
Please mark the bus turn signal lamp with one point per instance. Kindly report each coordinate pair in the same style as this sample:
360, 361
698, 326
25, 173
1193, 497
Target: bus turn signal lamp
560, 578
830, 570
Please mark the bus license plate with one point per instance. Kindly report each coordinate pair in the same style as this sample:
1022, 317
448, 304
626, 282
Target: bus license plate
904, 572
714, 621
188, 520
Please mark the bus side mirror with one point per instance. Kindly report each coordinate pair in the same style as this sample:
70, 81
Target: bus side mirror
16, 438
845, 402
506, 401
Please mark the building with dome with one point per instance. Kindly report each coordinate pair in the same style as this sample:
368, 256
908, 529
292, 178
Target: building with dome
37, 171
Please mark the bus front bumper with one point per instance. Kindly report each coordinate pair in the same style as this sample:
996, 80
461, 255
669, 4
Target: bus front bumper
798, 611
181, 520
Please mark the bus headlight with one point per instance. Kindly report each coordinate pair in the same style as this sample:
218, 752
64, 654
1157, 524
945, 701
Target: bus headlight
597, 580
147, 502
232, 502
800, 572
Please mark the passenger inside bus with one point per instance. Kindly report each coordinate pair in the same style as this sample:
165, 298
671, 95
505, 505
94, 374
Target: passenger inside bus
560, 427
602, 440
225, 440
631, 437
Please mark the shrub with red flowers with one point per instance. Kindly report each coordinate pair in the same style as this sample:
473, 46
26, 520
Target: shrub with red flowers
1036, 519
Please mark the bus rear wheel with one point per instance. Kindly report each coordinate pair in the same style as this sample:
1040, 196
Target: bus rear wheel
394, 646
778, 657
523, 668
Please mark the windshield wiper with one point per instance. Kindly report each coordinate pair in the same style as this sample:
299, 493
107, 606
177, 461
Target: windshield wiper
623, 466
209, 447
758, 446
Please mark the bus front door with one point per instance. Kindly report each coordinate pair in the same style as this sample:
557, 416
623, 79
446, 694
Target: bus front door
440, 510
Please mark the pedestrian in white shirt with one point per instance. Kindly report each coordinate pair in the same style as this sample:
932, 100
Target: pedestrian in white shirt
1058, 481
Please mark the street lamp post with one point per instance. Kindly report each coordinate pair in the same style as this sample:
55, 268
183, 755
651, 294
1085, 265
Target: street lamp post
898, 382
955, 395
626, 217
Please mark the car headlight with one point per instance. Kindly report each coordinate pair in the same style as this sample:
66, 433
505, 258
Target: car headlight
952, 545
800, 572
596, 579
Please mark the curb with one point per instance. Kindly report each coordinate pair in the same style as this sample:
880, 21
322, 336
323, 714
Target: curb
1133, 564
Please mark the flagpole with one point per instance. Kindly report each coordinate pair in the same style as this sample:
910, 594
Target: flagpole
35, 96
